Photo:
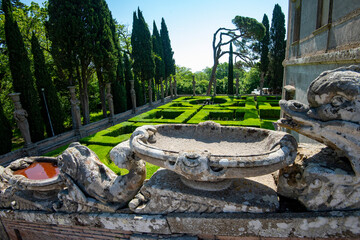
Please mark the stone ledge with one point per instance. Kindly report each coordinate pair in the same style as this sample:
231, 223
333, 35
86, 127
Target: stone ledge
335, 224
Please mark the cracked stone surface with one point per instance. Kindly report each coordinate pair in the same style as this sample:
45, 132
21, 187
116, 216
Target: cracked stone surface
165, 193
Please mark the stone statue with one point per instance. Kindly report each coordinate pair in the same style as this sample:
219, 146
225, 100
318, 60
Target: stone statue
92, 186
162, 89
20, 116
75, 109
133, 96
332, 118
109, 98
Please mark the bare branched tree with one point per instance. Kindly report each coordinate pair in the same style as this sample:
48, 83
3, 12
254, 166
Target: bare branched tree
244, 37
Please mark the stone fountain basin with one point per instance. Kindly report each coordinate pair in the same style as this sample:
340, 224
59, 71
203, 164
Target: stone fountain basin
211, 152
23, 183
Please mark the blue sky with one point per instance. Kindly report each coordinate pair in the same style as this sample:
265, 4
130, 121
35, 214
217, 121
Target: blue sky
192, 23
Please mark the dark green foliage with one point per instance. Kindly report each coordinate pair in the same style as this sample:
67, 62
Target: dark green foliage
159, 55
264, 46
231, 72
128, 76
139, 92
168, 52
174, 115
119, 89
5, 133
142, 54
277, 48
21, 74
43, 81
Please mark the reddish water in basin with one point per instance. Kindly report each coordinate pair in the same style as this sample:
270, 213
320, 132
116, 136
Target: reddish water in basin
39, 171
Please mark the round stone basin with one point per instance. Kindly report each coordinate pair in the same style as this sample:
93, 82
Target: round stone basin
34, 173
211, 152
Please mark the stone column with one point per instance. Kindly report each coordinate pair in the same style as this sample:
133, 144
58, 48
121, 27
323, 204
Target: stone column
20, 116
171, 88
109, 98
237, 86
75, 109
175, 87
162, 89
133, 96
150, 92
194, 83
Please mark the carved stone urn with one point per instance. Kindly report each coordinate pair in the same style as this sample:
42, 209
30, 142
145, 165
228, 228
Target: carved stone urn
210, 168
35, 182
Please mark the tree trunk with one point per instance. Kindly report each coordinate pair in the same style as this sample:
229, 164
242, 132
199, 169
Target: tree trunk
261, 83
212, 77
144, 91
84, 96
102, 92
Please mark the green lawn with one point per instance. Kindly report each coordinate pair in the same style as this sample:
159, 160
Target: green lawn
230, 111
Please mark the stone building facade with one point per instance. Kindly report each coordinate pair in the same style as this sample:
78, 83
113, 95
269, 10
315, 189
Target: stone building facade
322, 35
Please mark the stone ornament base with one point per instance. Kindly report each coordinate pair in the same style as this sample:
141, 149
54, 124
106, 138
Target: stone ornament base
166, 193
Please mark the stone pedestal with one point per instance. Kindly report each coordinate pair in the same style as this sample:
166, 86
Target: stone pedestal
165, 193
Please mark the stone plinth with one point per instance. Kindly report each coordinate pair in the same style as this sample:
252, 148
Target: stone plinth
165, 193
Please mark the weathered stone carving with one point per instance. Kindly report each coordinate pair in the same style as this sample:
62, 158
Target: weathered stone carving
320, 181
92, 186
110, 100
75, 109
133, 96
333, 114
210, 158
26, 193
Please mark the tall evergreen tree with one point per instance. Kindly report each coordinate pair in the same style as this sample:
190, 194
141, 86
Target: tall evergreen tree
231, 72
277, 47
264, 53
159, 56
5, 133
21, 74
168, 52
72, 30
105, 53
128, 76
119, 89
43, 81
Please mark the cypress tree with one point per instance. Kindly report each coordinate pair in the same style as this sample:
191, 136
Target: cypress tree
43, 81
5, 133
119, 89
264, 48
21, 74
159, 56
128, 76
277, 47
168, 53
231, 72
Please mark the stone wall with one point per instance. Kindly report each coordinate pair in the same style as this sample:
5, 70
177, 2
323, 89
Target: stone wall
227, 226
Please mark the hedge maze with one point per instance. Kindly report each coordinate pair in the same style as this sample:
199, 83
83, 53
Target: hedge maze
249, 111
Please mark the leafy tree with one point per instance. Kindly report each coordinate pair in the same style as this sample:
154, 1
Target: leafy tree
277, 48
43, 81
168, 52
105, 52
5, 133
71, 29
159, 56
264, 55
231, 72
128, 76
251, 80
142, 54
244, 37
21, 73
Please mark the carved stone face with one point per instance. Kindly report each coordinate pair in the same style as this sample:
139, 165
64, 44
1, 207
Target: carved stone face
336, 95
